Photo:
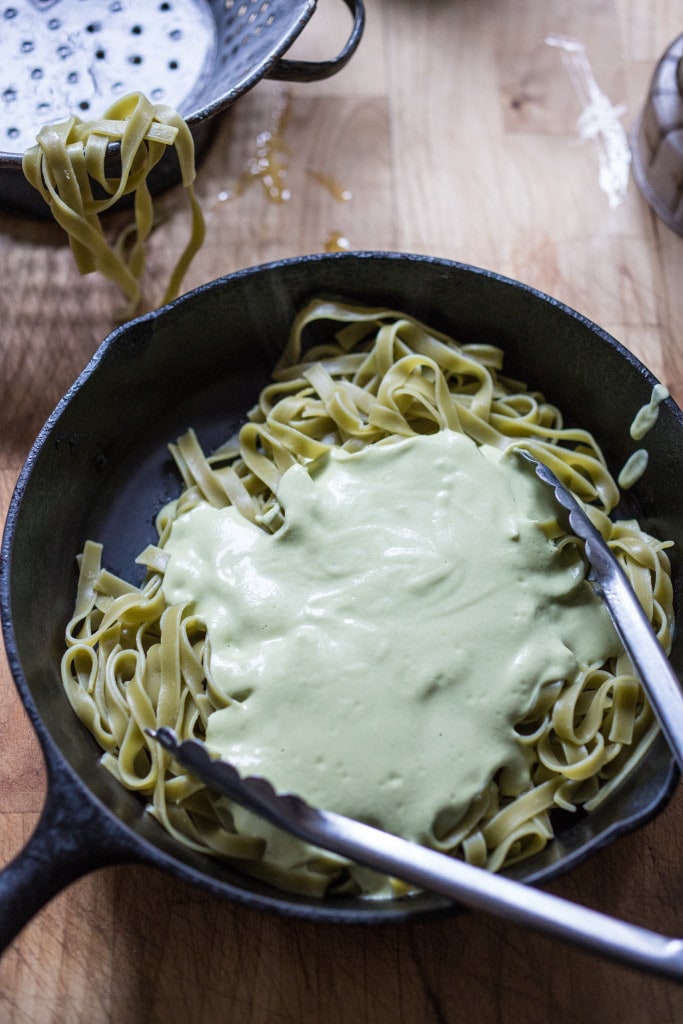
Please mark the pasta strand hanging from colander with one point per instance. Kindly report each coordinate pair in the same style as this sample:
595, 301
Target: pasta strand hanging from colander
68, 166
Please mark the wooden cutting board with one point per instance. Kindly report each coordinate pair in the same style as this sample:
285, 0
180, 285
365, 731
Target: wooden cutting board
453, 132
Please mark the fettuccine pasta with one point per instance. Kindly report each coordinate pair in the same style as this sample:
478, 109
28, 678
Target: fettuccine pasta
67, 166
132, 663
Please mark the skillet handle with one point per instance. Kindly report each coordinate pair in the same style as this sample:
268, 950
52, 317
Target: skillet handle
72, 838
313, 71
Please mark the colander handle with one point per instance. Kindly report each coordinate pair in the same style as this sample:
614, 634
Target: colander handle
312, 71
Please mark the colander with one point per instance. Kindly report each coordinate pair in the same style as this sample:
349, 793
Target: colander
64, 57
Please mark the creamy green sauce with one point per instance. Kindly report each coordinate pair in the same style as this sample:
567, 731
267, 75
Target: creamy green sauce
633, 468
381, 646
643, 421
646, 417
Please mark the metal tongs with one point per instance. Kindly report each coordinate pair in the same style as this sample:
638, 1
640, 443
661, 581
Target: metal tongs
472, 886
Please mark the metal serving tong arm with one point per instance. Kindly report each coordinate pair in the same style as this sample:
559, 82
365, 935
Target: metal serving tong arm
428, 869
635, 631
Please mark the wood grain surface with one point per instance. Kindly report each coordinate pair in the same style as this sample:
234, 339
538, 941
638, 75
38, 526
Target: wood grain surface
453, 131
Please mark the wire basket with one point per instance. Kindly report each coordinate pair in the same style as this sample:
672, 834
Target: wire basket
657, 140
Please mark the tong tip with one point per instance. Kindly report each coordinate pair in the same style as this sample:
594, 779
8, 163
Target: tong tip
254, 792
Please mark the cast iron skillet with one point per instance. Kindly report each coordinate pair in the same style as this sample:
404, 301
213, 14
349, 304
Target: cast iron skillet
100, 469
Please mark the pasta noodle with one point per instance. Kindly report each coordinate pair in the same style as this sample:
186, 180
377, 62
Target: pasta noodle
132, 663
69, 159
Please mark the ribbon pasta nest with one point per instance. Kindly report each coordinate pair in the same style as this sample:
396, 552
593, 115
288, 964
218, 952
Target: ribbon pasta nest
132, 663
69, 167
